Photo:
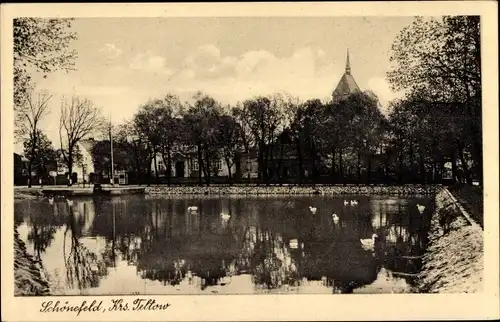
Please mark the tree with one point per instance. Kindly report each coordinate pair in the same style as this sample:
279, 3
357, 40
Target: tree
137, 147
308, 133
40, 45
40, 153
199, 120
229, 140
170, 129
418, 127
153, 122
265, 117
79, 118
37, 107
122, 158
440, 60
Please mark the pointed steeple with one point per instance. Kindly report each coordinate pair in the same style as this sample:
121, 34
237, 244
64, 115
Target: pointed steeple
348, 64
347, 85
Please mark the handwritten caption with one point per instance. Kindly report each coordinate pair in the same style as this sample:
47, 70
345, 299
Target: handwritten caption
114, 305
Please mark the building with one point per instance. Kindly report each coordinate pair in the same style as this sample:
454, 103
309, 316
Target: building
347, 85
20, 169
81, 170
184, 164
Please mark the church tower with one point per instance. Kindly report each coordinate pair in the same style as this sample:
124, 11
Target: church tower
347, 85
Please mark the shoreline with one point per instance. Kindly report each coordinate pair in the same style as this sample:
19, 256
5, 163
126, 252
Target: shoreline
23, 193
453, 260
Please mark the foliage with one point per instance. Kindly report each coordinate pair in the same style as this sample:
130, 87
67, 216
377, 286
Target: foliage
28, 127
40, 45
438, 64
38, 149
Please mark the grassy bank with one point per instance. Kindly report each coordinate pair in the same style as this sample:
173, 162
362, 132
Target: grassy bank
453, 262
291, 190
28, 275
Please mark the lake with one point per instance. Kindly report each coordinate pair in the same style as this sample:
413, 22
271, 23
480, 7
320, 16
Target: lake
227, 245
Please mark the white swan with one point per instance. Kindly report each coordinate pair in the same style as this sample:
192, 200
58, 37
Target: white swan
369, 244
421, 208
354, 202
335, 218
294, 243
94, 268
313, 209
192, 208
225, 281
346, 203
225, 217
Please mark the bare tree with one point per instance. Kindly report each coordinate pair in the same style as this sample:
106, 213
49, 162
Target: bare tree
79, 118
35, 109
42, 45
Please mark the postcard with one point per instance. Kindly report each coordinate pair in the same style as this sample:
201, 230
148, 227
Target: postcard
250, 161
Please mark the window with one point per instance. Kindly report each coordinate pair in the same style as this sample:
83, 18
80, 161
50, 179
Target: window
194, 165
218, 164
161, 166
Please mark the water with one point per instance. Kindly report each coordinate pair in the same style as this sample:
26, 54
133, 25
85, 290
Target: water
144, 245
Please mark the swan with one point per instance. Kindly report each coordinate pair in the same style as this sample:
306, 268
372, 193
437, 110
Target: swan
94, 268
224, 216
225, 281
192, 208
313, 209
294, 243
369, 244
335, 218
421, 208
354, 202
346, 202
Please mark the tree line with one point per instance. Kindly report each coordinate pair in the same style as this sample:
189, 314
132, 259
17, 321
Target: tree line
436, 63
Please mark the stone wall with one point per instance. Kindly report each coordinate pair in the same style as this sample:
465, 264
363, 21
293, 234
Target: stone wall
290, 190
453, 262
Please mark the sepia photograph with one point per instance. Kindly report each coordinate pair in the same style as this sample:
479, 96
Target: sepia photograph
246, 155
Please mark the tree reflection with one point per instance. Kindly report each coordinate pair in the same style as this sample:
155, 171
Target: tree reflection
178, 243
272, 261
43, 223
83, 268
168, 243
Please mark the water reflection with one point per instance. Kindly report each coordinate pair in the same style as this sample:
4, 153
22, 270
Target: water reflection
227, 245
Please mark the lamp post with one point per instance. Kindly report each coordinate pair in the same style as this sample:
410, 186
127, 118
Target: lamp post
112, 159
84, 173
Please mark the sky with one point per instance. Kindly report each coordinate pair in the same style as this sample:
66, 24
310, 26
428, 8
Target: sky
123, 62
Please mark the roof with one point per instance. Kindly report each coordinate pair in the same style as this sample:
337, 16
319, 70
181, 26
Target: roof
347, 85
87, 144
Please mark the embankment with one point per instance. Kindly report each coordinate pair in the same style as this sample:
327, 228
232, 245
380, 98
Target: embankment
402, 190
453, 262
27, 193
28, 275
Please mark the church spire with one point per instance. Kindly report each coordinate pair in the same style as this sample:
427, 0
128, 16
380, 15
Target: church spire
347, 85
347, 64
